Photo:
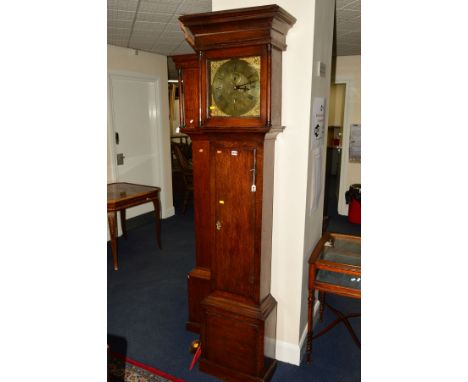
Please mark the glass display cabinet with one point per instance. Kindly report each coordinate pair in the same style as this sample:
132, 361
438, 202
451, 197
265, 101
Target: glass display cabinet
334, 267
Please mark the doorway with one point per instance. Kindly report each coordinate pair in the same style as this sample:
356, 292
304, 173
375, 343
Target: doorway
134, 133
335, 219
334, 151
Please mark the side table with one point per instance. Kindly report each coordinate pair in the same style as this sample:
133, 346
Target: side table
334, 267
125, 195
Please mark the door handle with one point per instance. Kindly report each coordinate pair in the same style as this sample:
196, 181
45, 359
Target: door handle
120, 159
117, 140
218, 225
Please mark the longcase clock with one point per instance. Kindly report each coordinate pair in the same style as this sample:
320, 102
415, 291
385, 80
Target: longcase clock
232, 112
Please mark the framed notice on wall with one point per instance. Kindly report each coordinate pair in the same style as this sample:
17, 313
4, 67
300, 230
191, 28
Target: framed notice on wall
355, 143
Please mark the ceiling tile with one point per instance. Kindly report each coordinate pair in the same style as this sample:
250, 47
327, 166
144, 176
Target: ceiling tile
126, 5
173, 27
345, 15
114, 14
117, 42
173, 35
146, 35
340, 4
120, 24
355, 5
159, 6
348, 26
195, 7
175, 18
118, 31
144, 26
174, 42
154, 17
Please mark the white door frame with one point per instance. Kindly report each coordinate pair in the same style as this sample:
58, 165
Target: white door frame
342, 208
156, 82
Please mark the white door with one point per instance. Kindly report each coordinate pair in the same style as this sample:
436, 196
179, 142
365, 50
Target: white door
135, 132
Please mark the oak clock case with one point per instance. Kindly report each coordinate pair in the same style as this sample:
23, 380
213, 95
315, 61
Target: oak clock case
239, 116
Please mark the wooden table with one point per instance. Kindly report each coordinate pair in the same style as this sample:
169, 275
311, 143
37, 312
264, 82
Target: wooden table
334, 267
125, 195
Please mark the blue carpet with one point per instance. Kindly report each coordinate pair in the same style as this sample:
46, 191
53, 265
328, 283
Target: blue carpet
147, 309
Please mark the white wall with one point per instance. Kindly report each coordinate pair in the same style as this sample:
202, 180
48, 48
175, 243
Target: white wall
324, 15
294, 232
125, 60
348, 70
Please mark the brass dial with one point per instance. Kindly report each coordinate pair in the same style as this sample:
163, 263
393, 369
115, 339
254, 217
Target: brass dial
235, 87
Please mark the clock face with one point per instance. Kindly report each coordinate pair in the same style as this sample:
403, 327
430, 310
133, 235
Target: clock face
235, 87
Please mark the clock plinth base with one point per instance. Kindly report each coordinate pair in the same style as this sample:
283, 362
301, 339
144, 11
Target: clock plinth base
198, 285
193, 327
238, 338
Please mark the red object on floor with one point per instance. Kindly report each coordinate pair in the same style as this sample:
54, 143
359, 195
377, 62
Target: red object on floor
354, 212
195, 358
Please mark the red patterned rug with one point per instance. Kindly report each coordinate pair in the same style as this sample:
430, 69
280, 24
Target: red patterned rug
124, 369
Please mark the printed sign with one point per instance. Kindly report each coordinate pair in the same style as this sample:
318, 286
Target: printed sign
355, 143
318, 119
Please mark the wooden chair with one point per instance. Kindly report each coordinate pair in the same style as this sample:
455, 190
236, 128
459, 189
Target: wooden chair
187, 173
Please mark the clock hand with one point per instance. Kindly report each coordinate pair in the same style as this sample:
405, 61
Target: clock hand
244, 88
243, 85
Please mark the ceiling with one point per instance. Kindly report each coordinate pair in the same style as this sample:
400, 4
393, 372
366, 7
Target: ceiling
153, 26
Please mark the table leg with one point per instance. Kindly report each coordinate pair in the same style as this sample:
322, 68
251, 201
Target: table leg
322, 304
157, 213
123, 221
112, 220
